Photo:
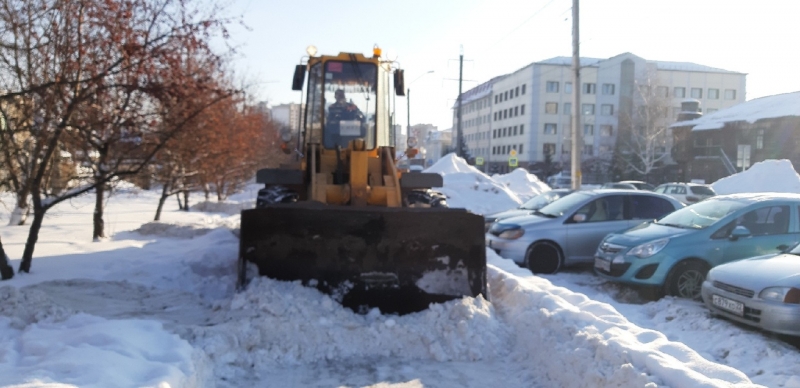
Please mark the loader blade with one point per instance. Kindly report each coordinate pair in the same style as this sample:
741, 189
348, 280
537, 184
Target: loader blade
396, 259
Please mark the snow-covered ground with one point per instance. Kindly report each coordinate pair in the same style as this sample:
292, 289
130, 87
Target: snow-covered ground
154, 306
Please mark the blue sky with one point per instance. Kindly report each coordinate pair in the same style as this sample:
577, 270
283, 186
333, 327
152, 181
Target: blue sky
501, 36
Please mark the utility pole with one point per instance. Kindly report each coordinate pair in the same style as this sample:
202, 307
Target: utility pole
577, 137
408, 111
459, 146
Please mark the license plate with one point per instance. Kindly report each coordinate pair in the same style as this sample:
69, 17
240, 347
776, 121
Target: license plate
728, 304
605, 265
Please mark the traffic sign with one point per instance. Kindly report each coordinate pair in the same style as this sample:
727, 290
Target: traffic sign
513, 153
479, 161
512, 161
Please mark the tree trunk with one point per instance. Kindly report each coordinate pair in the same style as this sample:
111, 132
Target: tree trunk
99, 225
178, 197
21, 211
206, 191
33, 236
6, 271
164, 196
186, 200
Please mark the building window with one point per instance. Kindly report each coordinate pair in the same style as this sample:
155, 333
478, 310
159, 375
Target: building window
568, 87
515, 130
607, 109
589, 88
495, 116
608, 89
523, 89
606, 130
496, 99
505, 113
505, 132
713, 94
662, 91
697, 93
587, 109
565, 149
587, 150
516, 92
588, 130
730, 94
760, 139
520, 148
522, 110
551, 108
516, 111
711, 110
549, 129
549, 148
567, 108
604, 149
679, 92
522, 129
552, 87
494, 134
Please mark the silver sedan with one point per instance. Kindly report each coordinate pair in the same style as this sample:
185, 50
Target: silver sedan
568, 231
763, 292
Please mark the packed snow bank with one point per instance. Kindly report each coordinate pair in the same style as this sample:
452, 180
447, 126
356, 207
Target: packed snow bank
776, 176
549, 321
779, 105
467, 187
523, 183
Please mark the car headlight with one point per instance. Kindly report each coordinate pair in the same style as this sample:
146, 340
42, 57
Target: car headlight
506, 231
781, 294
648, 249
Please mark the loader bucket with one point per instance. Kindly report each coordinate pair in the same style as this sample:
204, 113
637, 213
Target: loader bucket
396, 259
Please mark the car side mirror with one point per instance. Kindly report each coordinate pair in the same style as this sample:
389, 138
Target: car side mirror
739, 232
580, 217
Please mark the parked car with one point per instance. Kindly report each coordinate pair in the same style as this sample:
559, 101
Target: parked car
618, 185
674, 253
567, 231
687, 193
762, 291
559, 182
527, 208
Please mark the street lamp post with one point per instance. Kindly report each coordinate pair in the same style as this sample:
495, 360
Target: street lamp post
408, 101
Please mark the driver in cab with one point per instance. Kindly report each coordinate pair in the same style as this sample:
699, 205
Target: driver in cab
343, 110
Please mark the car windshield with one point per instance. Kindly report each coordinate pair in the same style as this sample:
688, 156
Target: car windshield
558, 208
701, 190
541, 200
701, 215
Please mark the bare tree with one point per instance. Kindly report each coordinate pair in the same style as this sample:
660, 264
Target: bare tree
643, 136
78, 74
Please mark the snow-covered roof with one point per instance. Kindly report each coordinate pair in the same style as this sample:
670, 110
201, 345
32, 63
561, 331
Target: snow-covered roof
779, 105
479, 91
567, 61
689, 66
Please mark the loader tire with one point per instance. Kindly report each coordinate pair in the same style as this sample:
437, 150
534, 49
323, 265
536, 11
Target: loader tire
273, 194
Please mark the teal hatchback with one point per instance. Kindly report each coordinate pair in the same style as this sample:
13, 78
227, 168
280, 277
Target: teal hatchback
675, 252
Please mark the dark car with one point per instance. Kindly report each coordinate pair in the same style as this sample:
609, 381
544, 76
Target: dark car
529, 207
632, 185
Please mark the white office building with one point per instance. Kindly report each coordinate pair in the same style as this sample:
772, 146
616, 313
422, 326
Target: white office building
529, 111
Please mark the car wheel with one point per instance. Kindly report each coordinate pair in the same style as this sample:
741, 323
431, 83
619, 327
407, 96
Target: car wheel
686, 279
544, 257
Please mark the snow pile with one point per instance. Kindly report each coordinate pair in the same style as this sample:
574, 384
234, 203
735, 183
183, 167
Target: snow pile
522, 183
226, 207
549, 320
467, 187
778, 176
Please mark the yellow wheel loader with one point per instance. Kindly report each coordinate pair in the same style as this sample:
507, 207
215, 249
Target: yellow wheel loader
343, 218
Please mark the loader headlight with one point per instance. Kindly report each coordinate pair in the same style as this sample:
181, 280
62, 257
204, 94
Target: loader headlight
648, 249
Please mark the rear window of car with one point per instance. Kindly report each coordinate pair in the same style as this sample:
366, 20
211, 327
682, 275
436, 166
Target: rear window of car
702, 190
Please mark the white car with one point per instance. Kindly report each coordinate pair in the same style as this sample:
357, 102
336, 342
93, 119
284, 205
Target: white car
687, 193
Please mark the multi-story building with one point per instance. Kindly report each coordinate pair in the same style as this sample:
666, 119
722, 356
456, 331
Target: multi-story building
288, 115
528, 112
